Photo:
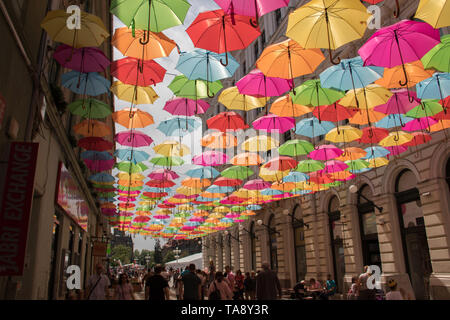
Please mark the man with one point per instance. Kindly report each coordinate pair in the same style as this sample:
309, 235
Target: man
191, 284
98, 284
330, 288
230, 277
267, 284
156, 287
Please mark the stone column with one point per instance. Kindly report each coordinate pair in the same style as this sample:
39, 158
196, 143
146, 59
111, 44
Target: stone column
311, 242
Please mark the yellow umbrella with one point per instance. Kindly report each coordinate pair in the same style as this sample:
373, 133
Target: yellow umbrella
377, 162
176, 201
245, 193
163, 211
171, 149
134, 94
268, 175
260, 143
147, 202
343, 134
219, 210
435, 12
396, 138
91, 32
369, 97
233, 100
188, 191
327, 24
133, 176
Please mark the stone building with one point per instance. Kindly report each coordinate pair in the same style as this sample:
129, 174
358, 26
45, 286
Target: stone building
338, 232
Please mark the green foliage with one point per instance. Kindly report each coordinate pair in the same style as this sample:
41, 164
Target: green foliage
169, 256
157, 255
122, 253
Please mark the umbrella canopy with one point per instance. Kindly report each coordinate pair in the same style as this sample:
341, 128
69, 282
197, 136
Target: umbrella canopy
311, 93
258, 84
439, 57
313, 127
178, 126
163, 174
133, 118
172, 148
309, 166
134, 71
436, 13
227, 121
392, 121
256, 8
91, 83
273, 122
234, 100
295, 148
210, 158
427, 108
396, 138
285, 107
131, 155
343, 134
130, 167
90, 108
366, 98
133, 139
325, 152
228, 182
181, 86
259, 143
435, 87
373, 134
82, 59
281, 163
95, 143
257, 184
92, 128
246, 159
203, 173
186, 107
219, 140
334, 112
400, 102
393, 77
167, 161
134, 94
92, 31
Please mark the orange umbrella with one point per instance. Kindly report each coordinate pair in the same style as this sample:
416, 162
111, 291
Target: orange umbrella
363, 116
219, 140
284, 107
340, 175
247, 159
133, 118
283, 186
92, 128
158, 46
201, 213
352, 153
196, 183
212, 195
133, 184
288, 60
393, 76
441, 125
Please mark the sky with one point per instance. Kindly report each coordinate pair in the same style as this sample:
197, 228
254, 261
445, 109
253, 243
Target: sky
179, 35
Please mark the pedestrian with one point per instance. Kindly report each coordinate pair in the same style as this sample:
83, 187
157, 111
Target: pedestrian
330, 288
267, 284
353, 291
219, 289
186, 270
156, 287
124, 290
98, 284
365, 293
178, 286
238, 286
229, 277
396, 293
165, 274
191, 284
249, 286
202, 283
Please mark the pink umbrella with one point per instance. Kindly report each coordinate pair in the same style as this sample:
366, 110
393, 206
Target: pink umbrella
133, 139
210, 158
334, 166
196, 219
231, 200
233, 215
257, 184
400, 43
325, 152
131, 193
251, 8
186, 107
273, 122
395, 150
182, 196
281, 196
99, 165
161, 217
257, 84
419, 124
163, 174
127, 199
83, 60
399, 102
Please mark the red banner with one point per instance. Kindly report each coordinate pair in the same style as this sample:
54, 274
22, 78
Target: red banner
16, 207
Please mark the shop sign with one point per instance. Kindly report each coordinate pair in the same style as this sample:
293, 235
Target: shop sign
99, 249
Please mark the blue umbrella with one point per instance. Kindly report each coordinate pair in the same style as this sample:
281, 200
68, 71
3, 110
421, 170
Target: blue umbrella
132, 155
295, 176
299, 191
376, 152
156, 190
271, 192
96, 155
312, 127
202, 199
92, 83
202, 64
203, 173
435, 87
219, 189
179, 126
350, 74
254, 207
102, 178
226, 220
100, 199
392, 121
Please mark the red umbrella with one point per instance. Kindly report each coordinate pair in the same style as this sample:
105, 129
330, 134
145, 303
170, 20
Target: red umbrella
282, 163
155, 194
221, 33
334, 112
419, 138
160, 183
134, 71
373, 135
227, 121
320, 177
95, 143
227, 182
166, 206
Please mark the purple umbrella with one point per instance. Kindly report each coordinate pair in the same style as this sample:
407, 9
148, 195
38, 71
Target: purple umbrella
419, 124
83, 60
400, 43
325, 152
273, 122
399, 102
258, 85
186, 107
395, 150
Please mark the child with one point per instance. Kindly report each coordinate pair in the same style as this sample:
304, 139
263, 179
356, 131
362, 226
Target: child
353, 291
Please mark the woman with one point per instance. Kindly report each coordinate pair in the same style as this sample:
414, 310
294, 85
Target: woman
250, 286
238, 286
219, 285
124, 290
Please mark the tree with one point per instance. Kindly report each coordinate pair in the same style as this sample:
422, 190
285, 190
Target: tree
170, 256
157, 255
122, 253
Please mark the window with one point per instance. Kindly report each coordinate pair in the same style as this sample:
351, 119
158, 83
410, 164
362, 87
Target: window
337, 242
299, 244
273, 243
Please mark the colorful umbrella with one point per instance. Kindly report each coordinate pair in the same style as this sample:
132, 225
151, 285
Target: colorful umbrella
259, 143
281, 163
343, 134
237, 172
133, 139
311, 93
273, 122
227, 182
203, 173
246, 159
309, 166
172, 148
178, 126
426, 108
227, 121
439, 57
131, 155
134, 71
95, 143
435, 87
436, 13
210, 158
90, 109
186, 107
181, 86
285, 107
219, 140
82, 59
400, 102
92, 128
90, 83
196, 183
258, 84
414, 74
312, 127
132, 118
325, 152
167, 161
134, 94
295, 148
334, 112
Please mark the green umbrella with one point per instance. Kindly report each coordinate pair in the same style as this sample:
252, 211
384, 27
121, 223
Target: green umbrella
126, 166
204, 207
333, 184
193, 89
90, 108
237, 172
426, 108
311, 93
295, 148
149, 198
144, 208
125, 188
439, 57
309, 166
238, 208
167, 161
182, 214
102, 186
354, 165
107, 194
164, 13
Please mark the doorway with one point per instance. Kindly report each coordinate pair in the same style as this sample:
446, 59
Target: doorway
299, 244
337, 242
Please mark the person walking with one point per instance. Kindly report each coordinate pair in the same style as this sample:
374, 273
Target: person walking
267, 284
250, 285
156, 287
229, 276
191, 284
364, 292
238, 286
98, 284
202, 283
219, 288
124, 290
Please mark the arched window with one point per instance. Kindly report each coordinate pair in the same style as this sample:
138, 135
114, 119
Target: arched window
412, 229
273, 243
337, 243
253, 245
368, 227
299, 244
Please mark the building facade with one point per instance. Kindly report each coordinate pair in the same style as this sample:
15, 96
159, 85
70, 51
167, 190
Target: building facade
35, 112
338, 232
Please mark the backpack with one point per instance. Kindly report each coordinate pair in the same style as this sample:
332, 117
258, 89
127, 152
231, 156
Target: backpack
215, 295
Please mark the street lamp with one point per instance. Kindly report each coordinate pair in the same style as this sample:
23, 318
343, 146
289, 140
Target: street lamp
354, 189
301, 223
260, 223
228, 233
147, 260
177, 253
241, 227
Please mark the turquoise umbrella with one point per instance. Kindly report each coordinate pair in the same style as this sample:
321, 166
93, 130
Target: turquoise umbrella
179, 126
132, 155
92, 83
